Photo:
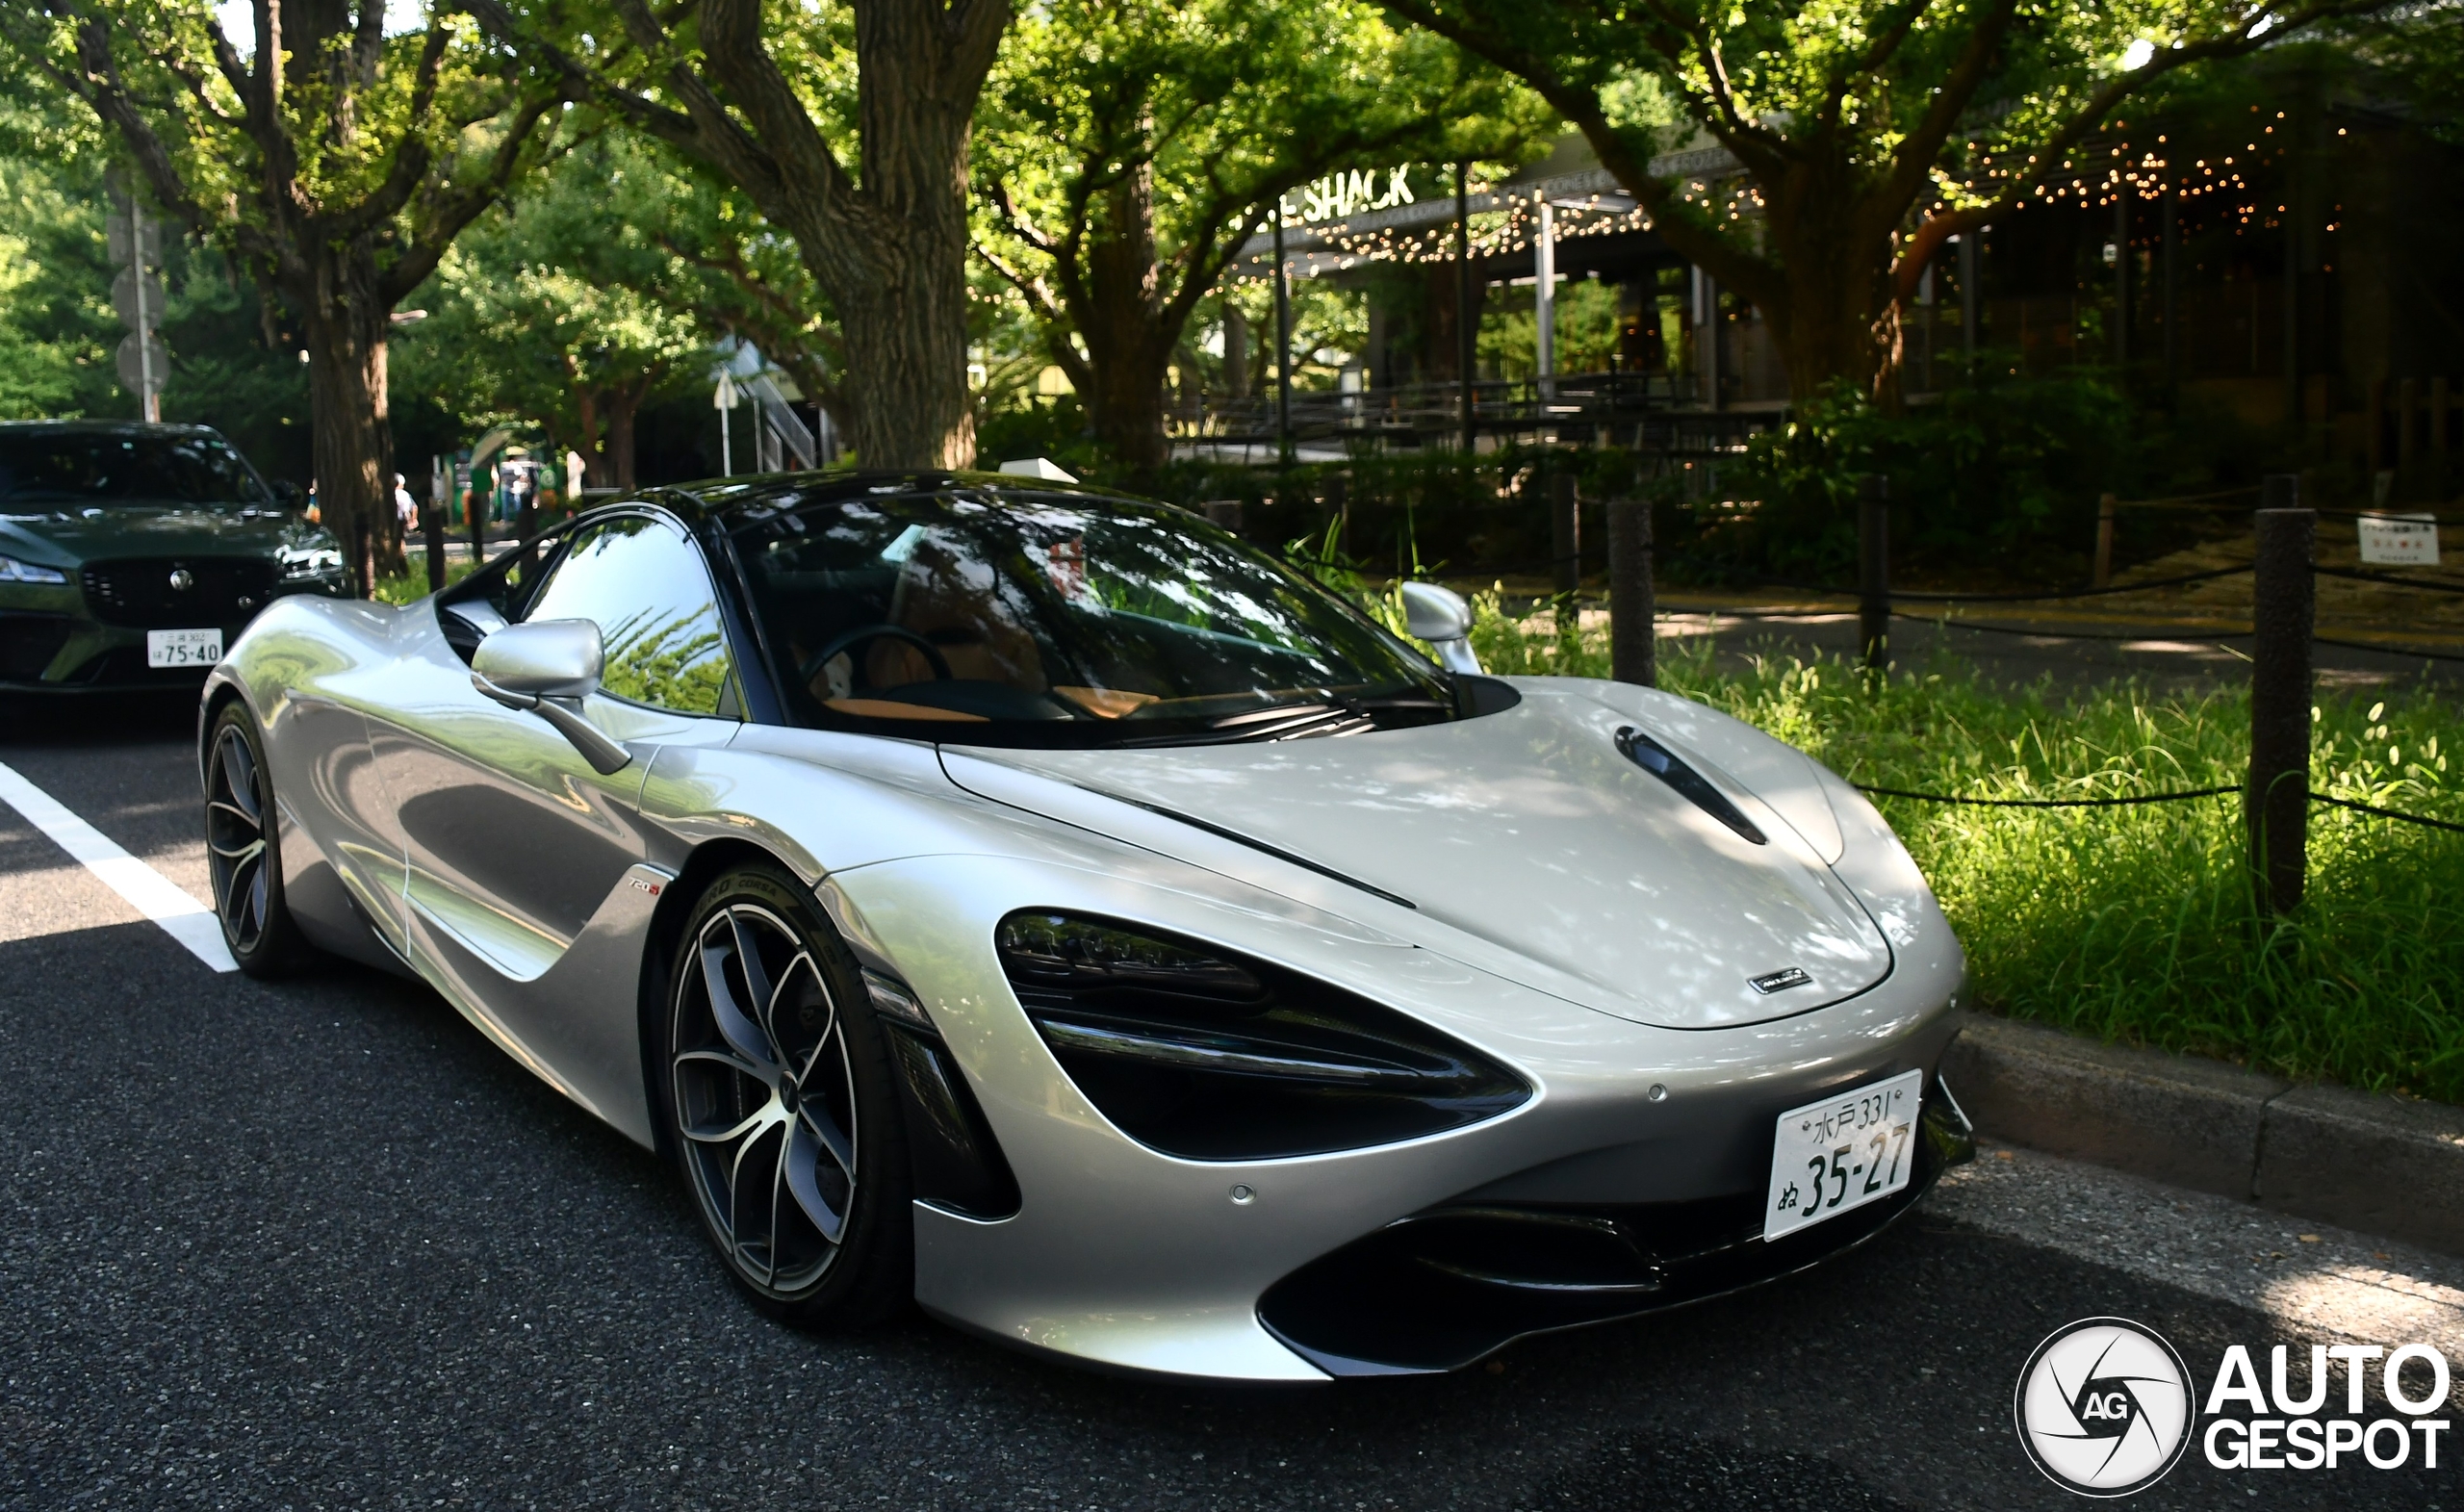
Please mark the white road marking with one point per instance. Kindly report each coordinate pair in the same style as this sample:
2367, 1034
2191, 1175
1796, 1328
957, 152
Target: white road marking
148, 891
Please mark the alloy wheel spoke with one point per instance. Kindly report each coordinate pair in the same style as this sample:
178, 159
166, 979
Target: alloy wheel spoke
827, 1134
777, 1183
734, 1026
727, 1058
800, 1164
786, 982
708, 1134
257, 902
735, 1182
240, 775
237, 855
758, 992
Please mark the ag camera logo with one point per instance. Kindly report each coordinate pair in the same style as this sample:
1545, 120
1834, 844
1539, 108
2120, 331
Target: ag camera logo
2104, 1407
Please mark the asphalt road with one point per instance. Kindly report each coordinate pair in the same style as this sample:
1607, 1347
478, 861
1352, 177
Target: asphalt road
319, 1244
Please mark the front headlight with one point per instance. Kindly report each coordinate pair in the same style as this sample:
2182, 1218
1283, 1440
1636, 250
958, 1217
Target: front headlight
12, 570
308, 561
1212, 1059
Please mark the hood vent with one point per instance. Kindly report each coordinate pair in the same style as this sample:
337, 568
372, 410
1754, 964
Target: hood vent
1691, 785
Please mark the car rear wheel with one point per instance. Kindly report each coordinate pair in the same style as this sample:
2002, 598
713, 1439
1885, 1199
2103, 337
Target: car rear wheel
244, 850
782, 1107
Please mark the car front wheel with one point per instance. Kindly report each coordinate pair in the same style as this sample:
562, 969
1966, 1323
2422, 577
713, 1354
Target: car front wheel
782, 1108
243, 848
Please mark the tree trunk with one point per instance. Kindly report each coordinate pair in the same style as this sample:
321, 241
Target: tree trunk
1236, 352
1127, 404
1834, 321
346, 323
892, 256
621, 407
1118, 311
907, 401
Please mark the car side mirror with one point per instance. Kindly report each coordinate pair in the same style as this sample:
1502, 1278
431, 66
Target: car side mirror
286, 493
1440, 617
548, 667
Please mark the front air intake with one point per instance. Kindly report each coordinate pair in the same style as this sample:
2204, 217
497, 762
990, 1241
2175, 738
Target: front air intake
1204, 1056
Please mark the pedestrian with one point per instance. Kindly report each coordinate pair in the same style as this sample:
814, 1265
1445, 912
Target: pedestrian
406, 509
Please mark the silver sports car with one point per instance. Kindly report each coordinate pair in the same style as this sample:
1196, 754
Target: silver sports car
1036, 904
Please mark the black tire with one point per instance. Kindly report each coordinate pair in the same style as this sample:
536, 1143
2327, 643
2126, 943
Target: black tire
243, 848
785, 1118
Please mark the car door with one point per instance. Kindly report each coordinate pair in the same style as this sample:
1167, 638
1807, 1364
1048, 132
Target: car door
516, 844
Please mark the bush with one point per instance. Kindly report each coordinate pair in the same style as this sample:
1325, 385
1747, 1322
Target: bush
2002, 473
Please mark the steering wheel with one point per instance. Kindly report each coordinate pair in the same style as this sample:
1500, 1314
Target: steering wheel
862, 633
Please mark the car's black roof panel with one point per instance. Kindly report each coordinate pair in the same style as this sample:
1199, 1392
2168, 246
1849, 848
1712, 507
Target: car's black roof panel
109, 428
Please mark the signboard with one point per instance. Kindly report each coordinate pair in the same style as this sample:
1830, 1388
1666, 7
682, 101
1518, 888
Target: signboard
2398, 540
1338, 196
142, 373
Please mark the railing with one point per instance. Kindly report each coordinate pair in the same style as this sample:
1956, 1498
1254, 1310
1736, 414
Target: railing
1655, 410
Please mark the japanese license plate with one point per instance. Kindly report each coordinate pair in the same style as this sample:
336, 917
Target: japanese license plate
1836, 1155
183, 648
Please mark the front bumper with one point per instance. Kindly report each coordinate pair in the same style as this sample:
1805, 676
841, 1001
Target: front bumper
1122, 1257
1438, 1291
51, 641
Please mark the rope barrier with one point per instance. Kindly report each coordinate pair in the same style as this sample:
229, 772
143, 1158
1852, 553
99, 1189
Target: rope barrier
1957, 801
2176, 633
2020, 598
2049, 802
2386, 814
2392, 582
2188, 500
2392, 651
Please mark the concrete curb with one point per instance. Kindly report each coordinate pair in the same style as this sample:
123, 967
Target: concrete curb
2380, 1165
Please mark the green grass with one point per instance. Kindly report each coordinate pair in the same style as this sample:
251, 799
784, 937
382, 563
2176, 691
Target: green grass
412, 586
2136, 924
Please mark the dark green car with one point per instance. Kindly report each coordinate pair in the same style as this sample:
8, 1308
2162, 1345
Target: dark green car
131, 555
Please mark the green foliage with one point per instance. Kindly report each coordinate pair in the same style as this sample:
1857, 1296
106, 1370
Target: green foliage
2136, 923
1850, 124
539, 315
58, 333
1997, 473
1124, 152
1587, 330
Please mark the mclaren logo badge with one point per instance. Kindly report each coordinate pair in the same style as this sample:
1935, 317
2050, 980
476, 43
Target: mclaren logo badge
1780, 980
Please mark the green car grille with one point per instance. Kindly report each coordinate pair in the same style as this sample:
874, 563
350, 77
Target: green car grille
171, 593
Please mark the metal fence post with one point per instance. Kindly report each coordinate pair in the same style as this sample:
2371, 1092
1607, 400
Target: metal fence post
432, 527
1873, 573
1565, 532
2277, 804
525, 525
1633, 652
2105, 504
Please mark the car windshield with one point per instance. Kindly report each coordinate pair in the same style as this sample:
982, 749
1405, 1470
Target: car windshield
1052, 619
102, 467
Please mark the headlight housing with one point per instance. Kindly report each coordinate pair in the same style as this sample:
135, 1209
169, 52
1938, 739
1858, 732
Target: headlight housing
302, 562
1207, 1057
12, 570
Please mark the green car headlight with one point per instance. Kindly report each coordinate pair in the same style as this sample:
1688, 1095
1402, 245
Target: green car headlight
12, 570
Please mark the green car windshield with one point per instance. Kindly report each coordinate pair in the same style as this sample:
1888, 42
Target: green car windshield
1052, 619
78, 468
